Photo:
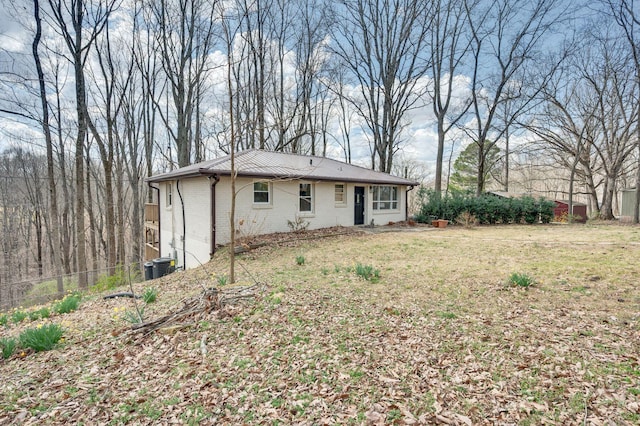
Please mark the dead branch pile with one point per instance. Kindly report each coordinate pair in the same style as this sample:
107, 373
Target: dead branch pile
208, 301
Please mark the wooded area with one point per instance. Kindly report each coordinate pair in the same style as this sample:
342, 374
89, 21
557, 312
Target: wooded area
99, 94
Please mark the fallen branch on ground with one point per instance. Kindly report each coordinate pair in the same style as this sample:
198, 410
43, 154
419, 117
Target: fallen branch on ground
208, 301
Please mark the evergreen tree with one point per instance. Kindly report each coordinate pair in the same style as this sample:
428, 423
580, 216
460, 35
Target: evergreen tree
465, 169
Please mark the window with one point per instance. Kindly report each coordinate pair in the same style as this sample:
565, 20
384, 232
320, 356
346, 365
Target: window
339, 194
385, 197
169, 194
261, 192
306, 197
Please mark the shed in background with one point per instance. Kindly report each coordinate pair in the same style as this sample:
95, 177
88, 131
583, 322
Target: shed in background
627, 205
562, 210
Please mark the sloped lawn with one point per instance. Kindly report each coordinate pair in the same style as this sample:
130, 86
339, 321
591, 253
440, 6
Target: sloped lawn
440, 337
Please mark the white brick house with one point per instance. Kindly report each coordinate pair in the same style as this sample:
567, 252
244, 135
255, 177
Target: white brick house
272, 188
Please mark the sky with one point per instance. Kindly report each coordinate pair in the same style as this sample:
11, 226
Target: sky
420, 138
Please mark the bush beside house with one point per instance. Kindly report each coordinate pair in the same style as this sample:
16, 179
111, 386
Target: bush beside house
487, 209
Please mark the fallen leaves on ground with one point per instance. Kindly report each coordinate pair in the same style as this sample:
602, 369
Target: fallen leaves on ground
440, 339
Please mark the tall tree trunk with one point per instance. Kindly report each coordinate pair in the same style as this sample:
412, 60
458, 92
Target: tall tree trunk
120, 221
51, 179
92, 224
80, 234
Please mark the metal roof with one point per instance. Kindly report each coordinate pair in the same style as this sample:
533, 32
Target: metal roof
280, 165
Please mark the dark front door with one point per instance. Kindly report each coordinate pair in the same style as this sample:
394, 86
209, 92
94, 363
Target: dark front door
358, 218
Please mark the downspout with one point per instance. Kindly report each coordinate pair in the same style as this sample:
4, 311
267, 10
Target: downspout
159, 223
213, 179
184, 229
406, 202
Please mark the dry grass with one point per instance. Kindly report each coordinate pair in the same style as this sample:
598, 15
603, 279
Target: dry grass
440, 338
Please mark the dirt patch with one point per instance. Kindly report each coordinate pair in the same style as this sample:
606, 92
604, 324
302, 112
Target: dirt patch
292, 238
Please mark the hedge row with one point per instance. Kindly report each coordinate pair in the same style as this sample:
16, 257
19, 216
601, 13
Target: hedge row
487, 209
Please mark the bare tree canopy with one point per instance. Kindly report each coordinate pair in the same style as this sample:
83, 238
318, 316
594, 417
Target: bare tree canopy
381, 43
108, 92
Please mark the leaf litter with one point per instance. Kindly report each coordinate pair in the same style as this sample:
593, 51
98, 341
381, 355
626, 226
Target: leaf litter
440, 339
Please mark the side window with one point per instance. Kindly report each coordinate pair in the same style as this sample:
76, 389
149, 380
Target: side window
306, 197
340, 195
261, 193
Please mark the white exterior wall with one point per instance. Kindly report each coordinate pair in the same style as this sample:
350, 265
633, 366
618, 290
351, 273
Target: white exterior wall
256, 219
197, 211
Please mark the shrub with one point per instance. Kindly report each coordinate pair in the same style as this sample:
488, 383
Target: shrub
68, 304
4, 319
7, 346
546, 210
18, 316
150, 294
42, 338
367, 272
298, 224
521, 280
529, 210
487, 209
300, 260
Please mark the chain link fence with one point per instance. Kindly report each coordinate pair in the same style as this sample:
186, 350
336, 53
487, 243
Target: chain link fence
45, 289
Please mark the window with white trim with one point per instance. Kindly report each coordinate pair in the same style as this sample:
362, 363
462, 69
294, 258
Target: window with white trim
385, 198
340, 196
261, 193
306, 198
168, 191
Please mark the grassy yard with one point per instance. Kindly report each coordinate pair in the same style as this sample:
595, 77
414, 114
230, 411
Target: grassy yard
439, 337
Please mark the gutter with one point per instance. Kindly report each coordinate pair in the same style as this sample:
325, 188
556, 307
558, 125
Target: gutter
406, 202
213, 179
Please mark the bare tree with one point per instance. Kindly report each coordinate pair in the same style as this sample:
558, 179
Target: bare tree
110, 85
607, 77
71, 21
566, 127
449, 49
230, 26
381, 43
627, 17
185, 37
55, 240
506, 36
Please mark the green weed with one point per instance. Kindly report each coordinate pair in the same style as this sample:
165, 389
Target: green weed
367, 272
7, 346
149, 295
18, 316
42, 338
447, 315
135, 316
68, 304
222, 280
39, 314
4, 319
300, 260
521, 280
